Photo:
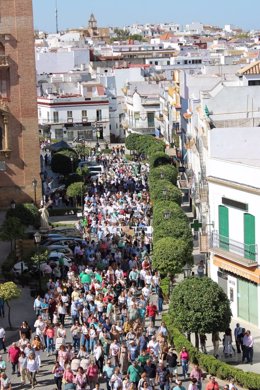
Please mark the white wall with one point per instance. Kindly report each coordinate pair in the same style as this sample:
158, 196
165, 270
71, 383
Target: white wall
61, 61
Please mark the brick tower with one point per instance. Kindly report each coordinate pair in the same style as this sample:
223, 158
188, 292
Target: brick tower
19, 144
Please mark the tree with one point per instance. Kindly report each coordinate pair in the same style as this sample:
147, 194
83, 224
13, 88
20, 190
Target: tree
170, 255
159, 158
167, 210
27, 213
64, 162
132, 141
199, 305
165, 190
163, 172
8, 292
82, 150
37, 259
176, 228
76, 190
11, 230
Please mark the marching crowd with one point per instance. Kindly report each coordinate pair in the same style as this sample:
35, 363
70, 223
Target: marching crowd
101, 324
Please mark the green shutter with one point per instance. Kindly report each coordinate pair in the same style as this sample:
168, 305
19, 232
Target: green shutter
249, 236
223, 224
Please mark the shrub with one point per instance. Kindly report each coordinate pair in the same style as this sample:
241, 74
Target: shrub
199, 305
73, 178
158, 158
61, 162
170, 255
75, 189
131, 141
163, 172
162, 207
27, 213
165, 190
177, 228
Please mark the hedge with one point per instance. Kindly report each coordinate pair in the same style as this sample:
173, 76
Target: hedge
161, 207
27, 213
144, 144
163, 172
159, 158
165, 190
177, 228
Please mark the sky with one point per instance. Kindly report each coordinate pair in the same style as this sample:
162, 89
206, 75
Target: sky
75, 13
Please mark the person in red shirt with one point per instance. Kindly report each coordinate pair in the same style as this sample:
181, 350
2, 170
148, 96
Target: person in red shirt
151, 311
212, 385
13, 356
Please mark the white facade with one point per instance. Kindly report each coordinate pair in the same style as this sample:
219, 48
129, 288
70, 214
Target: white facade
234, 184
67, 116
61, 60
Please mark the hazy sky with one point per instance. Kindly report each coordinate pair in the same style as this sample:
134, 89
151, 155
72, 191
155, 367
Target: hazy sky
75, 13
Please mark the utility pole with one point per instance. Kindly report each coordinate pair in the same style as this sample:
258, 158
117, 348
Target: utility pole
57, 19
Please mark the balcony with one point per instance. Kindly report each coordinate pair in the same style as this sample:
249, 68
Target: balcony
235, 251
143, 130
4, 61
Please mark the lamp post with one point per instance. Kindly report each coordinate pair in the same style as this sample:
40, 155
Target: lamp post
71, 160
187, 271
12, 204
167, 214
165, 192
37, 239
34, 184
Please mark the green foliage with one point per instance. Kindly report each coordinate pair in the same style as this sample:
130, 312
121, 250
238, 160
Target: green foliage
200, 305
27, 213
82, 150
75, 189
162, 207
165, 190
73, 178
40, 257
11, 229
158, 158
131, 142
8, 292
107, 151
211, 365
61, 162
170, 255
163, 172
177, 228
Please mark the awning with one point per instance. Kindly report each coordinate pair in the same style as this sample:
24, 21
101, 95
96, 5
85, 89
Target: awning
251, 274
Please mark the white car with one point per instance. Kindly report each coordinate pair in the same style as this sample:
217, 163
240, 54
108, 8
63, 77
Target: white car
19, 268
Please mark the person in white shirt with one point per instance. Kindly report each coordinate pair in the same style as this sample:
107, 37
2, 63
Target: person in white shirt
39, 328
154, 345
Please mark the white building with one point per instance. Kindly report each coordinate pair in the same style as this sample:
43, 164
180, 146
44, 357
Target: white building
83, 115
61, 60
141, 106
234, 217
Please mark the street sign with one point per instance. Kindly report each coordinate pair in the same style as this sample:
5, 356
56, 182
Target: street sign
196, 225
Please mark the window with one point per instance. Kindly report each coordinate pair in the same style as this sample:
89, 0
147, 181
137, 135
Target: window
48, 116
253, 82
168, 62
99, 115
155, 62
249, 237
150, 119
55, 117
84, 115
69, 114
223, 222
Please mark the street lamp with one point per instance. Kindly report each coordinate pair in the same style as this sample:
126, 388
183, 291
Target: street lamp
187, 270
34, 184
165, 192
12, 204
167, 214
37, 240
71, 160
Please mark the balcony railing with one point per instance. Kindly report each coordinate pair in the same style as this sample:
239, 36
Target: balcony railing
239, 252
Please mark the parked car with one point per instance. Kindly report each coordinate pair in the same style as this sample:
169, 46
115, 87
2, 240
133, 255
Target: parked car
61, 249
70, 242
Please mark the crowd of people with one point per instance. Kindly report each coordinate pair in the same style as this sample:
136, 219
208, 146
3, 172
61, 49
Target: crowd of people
101, 324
